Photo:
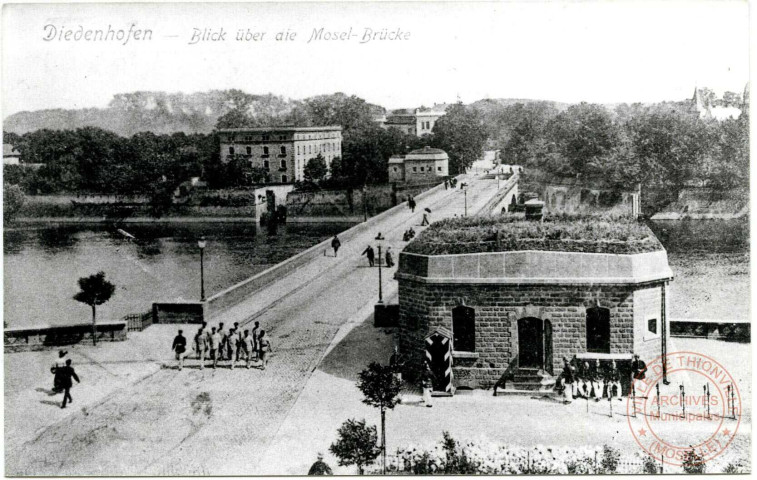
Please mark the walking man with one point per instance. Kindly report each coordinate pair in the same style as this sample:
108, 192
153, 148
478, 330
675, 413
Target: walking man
237, 340
425, 220
255, 335
369, 253
215, 345
60, 361
264, 348
66, 374
180, 347
411, 204
428, 383
389, 259
335, 244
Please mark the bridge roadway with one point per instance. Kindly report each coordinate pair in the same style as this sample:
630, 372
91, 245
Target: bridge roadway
220, 422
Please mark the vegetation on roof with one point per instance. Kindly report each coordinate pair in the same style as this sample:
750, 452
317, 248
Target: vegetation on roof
562, 233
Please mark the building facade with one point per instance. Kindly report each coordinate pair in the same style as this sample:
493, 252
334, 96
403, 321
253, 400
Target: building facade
513, 314
419, 166
416, 122
282, 152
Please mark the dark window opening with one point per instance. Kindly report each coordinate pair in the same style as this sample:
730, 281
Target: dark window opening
652, 325
249, 150
598, 330
231, 150
464, 329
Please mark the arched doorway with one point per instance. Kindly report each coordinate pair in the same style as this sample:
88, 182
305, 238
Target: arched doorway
530, 342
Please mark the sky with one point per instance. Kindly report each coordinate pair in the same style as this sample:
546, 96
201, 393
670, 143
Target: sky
579, 51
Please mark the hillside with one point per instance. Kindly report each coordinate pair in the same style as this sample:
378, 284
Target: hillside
161, 112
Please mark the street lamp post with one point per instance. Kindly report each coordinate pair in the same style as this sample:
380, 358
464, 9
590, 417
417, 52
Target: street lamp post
379, 238
201, 244
465, 191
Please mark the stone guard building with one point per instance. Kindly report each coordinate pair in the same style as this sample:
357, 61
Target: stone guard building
423, 165
518, 313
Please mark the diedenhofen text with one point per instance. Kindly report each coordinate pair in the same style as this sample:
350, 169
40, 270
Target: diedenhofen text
61, 33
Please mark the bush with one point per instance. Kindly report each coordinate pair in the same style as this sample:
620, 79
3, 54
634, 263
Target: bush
610, 459
693, 463
650, 465
733, 467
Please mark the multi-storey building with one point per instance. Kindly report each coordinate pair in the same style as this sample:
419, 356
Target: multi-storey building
282, 151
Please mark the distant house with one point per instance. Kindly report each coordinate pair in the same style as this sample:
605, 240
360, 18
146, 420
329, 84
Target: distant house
423, 165
418, 122
719, 112
11, 156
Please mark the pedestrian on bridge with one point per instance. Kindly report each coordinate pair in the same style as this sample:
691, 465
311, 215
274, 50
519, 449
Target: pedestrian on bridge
370, 254
231, 346
180, 348
66, 374
411, 204
389, 259
335, 244
425, 220
222, 344
264, 348
255, 335
237, 340
248, 342
215, 346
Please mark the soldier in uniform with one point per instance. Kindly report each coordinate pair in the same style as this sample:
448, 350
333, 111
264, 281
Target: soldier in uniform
613, 382
566, 380
597, 380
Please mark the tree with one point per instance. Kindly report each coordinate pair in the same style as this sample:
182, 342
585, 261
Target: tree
460, 133
316, 169
13, 200
356, 444
94, 291
381, 389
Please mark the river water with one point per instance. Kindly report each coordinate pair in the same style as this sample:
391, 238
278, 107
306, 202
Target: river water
42, 265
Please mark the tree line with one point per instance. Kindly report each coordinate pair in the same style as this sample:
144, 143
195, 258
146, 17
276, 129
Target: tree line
664, 147
93, 160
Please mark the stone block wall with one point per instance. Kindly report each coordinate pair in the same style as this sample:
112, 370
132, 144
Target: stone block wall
498, 307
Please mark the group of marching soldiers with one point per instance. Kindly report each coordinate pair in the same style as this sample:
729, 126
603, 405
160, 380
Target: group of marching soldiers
590, 380
218, 344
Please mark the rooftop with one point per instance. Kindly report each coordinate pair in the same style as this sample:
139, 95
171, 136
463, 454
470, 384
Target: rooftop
582, 234
282, 129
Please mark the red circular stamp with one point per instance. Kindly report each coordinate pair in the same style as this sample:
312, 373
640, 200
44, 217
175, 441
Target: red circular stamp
686, 402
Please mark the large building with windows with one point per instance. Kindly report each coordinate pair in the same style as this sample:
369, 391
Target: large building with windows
506, 311
282, 152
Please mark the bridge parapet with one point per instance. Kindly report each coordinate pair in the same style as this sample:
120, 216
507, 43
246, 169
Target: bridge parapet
507, 192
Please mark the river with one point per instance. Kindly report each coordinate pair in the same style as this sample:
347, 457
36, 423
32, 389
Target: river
42, 265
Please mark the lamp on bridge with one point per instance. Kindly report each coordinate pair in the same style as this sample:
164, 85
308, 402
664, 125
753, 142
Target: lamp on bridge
379, 239
201, 243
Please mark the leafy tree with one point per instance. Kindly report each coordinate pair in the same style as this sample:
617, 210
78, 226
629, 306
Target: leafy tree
380, 388
461, 133
356, 444
610, 459
94, 290
13, 200
316, 169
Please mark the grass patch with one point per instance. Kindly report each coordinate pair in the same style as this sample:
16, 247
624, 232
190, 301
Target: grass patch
562, 233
